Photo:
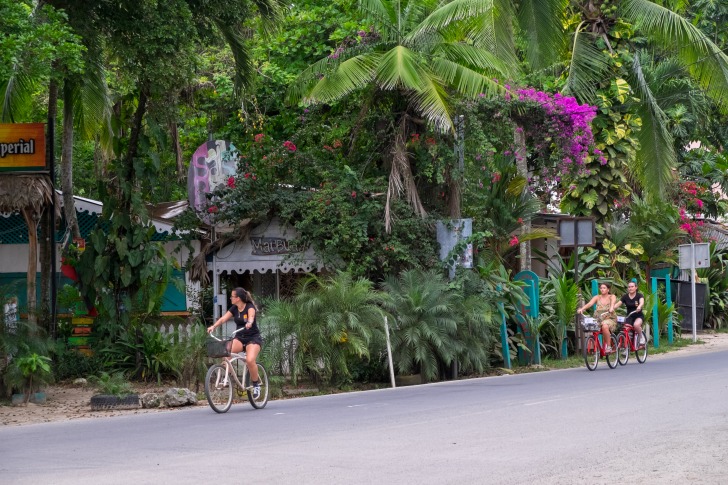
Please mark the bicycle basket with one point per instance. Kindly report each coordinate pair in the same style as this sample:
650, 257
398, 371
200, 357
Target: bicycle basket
589, 324
219, 348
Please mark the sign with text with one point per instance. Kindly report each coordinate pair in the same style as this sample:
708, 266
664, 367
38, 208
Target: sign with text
273, 245
22, 147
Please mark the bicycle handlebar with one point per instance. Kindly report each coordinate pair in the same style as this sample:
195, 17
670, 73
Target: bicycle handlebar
231, 335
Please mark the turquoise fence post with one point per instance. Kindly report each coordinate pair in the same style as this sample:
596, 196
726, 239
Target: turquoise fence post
565, 346
504, 335
668, 302
534, 315
655, 314
595, 288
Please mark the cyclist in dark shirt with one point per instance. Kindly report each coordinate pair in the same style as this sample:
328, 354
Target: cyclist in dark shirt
243, 311
634, 301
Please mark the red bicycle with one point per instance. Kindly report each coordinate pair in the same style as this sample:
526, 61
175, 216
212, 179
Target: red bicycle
629, 342
594, 349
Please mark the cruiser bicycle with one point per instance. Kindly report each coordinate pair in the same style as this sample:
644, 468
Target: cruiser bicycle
230, 380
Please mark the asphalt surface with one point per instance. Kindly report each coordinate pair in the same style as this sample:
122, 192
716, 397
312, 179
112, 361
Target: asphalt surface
659, 422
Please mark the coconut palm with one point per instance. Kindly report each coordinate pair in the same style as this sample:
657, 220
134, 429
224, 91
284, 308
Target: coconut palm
419, 50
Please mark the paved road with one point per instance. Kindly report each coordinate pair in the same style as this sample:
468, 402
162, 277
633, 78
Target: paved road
661, 422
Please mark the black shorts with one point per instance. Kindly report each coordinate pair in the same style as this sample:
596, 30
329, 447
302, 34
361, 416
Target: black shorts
253, 339
631, 319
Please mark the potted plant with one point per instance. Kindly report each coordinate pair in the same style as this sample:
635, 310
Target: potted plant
115, 392
28, 373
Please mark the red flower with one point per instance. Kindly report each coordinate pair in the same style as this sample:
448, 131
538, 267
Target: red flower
259, 137
430, 141
289, 145
231, 182
213, 209
353, 194
337, 143
520, 220
496, 177
513, 241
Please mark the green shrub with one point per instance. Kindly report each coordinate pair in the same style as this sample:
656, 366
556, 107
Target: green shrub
114, 384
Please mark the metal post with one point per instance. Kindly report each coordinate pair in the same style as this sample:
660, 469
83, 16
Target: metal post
389, 352
578, 334
668, 302
504, 334
655, 315
692, 289
215, 281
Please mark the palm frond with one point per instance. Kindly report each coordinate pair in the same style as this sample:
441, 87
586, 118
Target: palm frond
541, 22
351, 74
493, 31
16, 95
244, 68
381, 11
707, 64
587, 67
656, 156
473, 57
454, 11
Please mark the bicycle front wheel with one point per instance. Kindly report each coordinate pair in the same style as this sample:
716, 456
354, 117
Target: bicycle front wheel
218, 388
612, 361
259, 401
623, 349
591, 352
641, 352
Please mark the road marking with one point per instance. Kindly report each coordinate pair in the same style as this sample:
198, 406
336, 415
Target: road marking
278, 414
356, 406
542, 402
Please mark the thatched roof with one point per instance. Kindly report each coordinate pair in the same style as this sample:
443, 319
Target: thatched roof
18, 192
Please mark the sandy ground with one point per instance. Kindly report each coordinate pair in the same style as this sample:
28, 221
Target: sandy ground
66, 401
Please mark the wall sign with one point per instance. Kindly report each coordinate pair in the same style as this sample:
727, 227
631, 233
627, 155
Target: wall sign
22, 147
212, 164
263, 246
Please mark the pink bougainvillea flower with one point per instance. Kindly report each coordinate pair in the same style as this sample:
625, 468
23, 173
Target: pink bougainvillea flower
699, 203
496, 177
353, 194
520, 220
259, 137
289, 145
513, 241
231, 182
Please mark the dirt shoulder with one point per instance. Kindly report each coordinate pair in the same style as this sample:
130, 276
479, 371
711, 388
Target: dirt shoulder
67, 402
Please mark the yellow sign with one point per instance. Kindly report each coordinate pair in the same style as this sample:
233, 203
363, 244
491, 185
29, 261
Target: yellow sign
22, 147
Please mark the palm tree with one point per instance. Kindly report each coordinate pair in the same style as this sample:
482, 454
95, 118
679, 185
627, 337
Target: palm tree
663, 31
421, 48
331, 322
425, 334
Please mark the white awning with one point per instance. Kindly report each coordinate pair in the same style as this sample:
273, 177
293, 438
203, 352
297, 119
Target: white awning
267, 247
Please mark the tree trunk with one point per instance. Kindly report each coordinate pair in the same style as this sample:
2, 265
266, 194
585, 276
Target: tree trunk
69, 209
31, 220
519, 141
47, 231
174, 133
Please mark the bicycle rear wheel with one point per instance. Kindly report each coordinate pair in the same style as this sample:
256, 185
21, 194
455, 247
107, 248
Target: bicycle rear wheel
262, 399
591, 352
219, 393
623, 349
612, 359
641, 352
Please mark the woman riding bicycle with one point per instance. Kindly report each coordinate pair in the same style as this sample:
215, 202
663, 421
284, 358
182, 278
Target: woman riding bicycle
243, 310
605, 313
634, 301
